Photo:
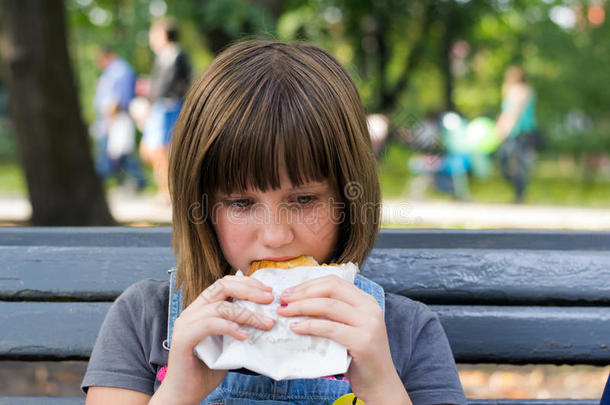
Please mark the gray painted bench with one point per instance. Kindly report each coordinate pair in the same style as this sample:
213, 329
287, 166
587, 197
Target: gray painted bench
510, 297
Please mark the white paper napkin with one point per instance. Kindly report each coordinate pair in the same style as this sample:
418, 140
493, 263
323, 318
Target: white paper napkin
280, 353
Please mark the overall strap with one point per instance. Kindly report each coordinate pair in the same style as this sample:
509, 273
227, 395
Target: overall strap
372, 288
174, 306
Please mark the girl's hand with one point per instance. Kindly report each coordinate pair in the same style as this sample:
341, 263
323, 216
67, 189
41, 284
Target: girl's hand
344, 313
188, 379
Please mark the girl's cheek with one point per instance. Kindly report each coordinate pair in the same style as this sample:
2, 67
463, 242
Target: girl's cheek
234, 236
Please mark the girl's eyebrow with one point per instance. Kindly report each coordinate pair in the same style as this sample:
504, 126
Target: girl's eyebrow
315, 185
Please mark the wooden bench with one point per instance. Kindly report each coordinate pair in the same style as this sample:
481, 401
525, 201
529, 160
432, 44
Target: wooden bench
509, 297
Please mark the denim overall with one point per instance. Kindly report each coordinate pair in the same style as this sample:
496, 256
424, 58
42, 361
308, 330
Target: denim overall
245, 389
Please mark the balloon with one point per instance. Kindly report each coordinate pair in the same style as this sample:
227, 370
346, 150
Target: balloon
482, 135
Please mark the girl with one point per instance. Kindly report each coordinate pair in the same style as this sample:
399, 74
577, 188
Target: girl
271, 160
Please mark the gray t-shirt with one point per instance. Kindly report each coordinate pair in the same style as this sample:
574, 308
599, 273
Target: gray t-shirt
129, 349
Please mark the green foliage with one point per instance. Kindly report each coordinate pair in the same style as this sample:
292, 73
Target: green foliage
234, 17
8, 143
405, 56
12, 179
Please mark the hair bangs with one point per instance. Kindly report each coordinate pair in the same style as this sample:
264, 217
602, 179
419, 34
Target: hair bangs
274, 128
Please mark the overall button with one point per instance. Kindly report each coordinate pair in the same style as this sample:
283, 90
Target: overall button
348, 399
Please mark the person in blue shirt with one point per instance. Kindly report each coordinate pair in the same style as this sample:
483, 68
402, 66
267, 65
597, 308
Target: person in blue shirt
113, 130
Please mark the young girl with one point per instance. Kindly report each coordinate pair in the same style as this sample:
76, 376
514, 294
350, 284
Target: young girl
271, 159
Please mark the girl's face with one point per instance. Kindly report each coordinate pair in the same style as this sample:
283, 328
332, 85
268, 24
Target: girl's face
278, 224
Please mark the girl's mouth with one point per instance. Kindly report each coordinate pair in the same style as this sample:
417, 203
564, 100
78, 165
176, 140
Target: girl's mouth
278, 258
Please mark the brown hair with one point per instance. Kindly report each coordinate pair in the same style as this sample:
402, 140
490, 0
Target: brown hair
259, 104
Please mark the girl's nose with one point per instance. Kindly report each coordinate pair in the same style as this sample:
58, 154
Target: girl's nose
276, 230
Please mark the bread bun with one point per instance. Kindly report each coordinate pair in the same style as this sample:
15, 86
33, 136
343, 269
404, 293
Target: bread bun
285, 264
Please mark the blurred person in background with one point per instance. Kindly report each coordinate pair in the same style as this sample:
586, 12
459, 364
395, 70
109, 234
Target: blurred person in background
378, 126
517, 127
168, 84
113, 130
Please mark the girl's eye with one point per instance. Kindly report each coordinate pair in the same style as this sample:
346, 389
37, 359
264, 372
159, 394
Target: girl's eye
305, 199
239, 203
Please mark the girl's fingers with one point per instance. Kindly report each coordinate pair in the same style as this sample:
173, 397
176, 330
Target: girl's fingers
243, 288
328, 308
240, 315
337, 332
229, 311
329, 287
189, 332
223, 318
220, 326
212, 312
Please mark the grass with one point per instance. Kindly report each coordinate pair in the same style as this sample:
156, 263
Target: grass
554, 181
12, 179
393, 172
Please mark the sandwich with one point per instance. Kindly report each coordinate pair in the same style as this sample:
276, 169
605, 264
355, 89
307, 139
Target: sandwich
285, 264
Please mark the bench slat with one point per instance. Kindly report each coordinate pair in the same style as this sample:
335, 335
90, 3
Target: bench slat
388, 238
78, 273
86, 236
433, 276
67, 331
49, 330
493, 277
523, 335
494, 239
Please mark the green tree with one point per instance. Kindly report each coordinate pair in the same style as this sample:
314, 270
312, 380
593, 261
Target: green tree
389, 40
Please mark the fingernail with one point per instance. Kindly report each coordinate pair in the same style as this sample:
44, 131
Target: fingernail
283, 305
242, 332
295, 324
268, 294
288, 292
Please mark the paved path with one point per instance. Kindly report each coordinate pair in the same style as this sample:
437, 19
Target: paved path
471, 215
137, 209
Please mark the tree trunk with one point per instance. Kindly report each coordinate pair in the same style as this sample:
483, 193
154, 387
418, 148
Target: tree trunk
445, 56
415, 57
54, 150
386, 102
